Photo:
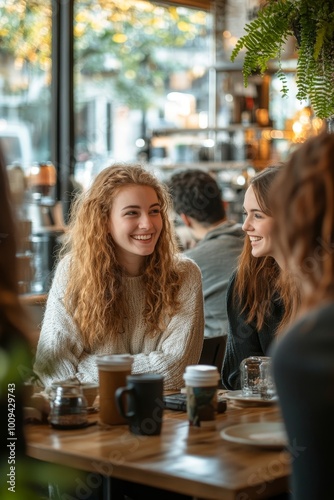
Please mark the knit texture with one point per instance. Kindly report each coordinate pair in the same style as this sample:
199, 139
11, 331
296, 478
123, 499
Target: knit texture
61, 354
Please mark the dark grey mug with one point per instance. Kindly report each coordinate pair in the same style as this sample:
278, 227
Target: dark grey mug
142, 398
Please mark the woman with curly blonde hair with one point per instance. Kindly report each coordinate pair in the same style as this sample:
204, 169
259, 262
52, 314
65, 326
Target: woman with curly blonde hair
122, 286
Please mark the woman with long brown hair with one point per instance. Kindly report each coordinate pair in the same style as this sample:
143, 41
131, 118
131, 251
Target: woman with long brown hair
122, 286
303, 206
260, 297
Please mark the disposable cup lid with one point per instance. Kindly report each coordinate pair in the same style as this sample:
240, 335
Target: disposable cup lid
115, 361
201, 375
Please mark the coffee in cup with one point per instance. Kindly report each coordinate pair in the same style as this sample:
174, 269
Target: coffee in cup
113, 370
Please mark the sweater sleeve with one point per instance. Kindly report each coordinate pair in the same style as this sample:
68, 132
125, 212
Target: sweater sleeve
181, 343
60, 346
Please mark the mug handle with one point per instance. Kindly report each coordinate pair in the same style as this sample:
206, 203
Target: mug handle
120, 394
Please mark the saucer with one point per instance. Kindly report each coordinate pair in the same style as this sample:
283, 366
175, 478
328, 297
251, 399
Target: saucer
264, 434
250, 400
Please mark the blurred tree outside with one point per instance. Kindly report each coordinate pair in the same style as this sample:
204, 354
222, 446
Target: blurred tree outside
128, 40
129, 55
120, 38
25, 77
126, 50
25, 31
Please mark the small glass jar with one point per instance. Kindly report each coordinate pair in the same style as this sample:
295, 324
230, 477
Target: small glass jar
68, 407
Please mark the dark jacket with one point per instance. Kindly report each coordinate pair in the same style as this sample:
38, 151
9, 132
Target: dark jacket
244, 339
303, 362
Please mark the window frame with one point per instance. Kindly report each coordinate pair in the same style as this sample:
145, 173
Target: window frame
196, 4
62, 126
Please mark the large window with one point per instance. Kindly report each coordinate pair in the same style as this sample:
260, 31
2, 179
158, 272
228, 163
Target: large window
139, 66
25, 77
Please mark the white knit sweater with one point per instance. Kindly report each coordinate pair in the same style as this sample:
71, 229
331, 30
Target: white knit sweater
61, 354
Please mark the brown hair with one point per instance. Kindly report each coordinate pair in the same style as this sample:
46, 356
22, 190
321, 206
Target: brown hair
94, 293
303, 202
259, 279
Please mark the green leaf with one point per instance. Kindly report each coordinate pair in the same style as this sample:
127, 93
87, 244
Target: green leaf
312, 22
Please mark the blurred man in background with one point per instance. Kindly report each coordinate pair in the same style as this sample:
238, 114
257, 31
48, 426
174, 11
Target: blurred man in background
197, 199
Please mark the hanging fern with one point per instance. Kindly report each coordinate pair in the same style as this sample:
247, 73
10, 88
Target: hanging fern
264, 39
312, 23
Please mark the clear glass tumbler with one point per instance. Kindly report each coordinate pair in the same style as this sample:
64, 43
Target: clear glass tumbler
256, 377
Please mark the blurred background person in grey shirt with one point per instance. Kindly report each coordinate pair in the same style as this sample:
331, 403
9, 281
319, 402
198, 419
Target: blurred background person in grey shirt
218, 242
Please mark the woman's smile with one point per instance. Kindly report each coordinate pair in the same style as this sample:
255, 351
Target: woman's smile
142, 237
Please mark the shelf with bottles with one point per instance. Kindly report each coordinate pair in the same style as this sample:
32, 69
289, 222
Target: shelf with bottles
234, 146
249, 125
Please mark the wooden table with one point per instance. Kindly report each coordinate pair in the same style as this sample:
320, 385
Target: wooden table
184, 459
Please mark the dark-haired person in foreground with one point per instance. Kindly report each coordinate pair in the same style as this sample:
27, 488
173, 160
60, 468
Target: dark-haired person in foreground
303, 206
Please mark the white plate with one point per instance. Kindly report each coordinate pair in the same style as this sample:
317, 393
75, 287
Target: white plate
248, 400
264, 434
